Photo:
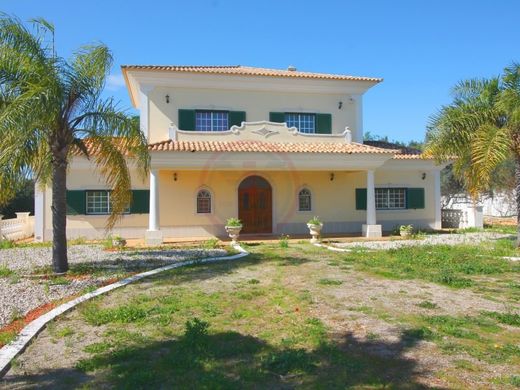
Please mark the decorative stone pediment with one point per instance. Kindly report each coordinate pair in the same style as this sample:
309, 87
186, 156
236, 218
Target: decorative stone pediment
260, 130
264, 129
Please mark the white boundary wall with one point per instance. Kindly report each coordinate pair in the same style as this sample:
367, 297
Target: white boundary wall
17, 228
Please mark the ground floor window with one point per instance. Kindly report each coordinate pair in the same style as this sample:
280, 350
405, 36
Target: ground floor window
98, 202
203, 202
390, 198
304, 200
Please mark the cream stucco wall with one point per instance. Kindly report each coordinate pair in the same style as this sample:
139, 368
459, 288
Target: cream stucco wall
333, 201
256, 104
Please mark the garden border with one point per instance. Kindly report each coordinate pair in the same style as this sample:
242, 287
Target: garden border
15, 347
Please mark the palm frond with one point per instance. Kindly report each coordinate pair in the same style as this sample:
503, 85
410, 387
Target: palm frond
490, 147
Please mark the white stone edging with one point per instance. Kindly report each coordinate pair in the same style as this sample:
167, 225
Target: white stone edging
15, 347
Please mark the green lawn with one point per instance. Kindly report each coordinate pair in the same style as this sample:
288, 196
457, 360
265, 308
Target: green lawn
299, 316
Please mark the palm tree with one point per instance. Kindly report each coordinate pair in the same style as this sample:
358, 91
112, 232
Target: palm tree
480, 131
50, 110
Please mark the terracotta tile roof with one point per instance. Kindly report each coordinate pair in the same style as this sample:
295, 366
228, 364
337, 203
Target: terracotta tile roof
403, 153
267, 147
249, 71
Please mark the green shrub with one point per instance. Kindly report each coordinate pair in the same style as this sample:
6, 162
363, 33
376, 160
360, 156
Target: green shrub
211, 243
284, 241
314, 221
233, 222
196, 333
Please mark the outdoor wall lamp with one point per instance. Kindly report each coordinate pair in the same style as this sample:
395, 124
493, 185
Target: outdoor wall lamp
340, 104
175, 176
423, 176
167, 97
332, 177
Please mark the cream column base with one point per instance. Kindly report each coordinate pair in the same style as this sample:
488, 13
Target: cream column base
153, 237
372, 231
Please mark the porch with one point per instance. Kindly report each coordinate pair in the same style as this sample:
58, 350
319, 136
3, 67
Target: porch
270, 203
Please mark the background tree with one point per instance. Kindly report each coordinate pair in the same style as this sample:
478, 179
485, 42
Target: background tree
481, 129
51, 109
23, 200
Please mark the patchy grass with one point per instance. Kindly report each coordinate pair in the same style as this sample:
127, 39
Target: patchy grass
5, 272
330, 282
95, 315
512, 319
428, 305
270, 321
7, 337
453, 266
252, 335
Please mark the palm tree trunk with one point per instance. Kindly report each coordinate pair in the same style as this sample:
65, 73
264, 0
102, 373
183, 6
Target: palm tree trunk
517, 195
59, 214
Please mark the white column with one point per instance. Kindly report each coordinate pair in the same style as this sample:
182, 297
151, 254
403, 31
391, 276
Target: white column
371, 199
153, 235
371, 229
437, 198
39, 213
153, 221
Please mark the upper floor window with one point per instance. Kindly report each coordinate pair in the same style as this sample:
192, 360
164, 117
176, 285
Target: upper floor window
203, 202
305, 123
304, 200
211, 121
390, 198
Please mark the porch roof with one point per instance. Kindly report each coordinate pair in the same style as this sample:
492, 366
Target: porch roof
402, 152
267, 147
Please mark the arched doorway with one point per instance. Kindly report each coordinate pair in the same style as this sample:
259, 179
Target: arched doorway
255, 206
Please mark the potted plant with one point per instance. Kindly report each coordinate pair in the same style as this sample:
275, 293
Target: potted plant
233, 228
406, 230
315, 226
118, 242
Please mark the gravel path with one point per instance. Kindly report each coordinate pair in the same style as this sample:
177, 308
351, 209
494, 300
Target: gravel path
27, 259
444, 239
19, 295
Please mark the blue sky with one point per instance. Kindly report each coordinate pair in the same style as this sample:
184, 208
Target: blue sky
420, 48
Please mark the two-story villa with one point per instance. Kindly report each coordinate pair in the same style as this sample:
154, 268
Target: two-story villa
271, 147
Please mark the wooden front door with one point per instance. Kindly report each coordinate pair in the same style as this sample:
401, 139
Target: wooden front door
255, 208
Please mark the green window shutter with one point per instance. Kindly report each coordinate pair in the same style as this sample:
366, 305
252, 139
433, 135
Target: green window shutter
323, 123
186, 119
415, 198
76, 202
140, 202
236, 118
278, 117
361, 198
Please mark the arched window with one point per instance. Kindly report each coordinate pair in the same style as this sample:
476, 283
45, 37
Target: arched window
203, 202
304, 200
